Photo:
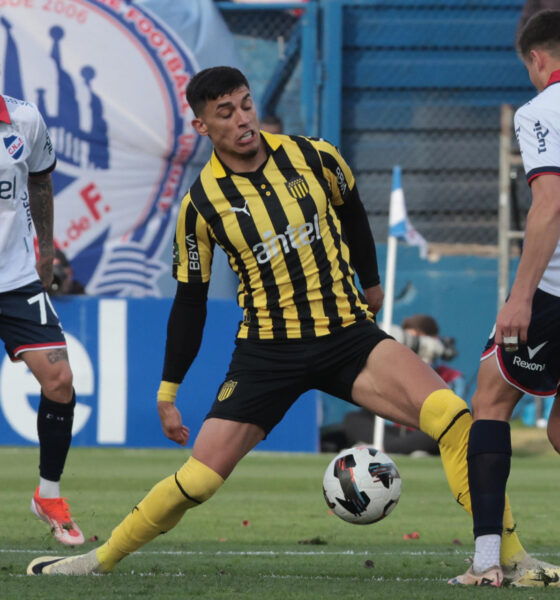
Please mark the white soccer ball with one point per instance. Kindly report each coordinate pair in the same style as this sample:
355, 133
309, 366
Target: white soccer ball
362, 485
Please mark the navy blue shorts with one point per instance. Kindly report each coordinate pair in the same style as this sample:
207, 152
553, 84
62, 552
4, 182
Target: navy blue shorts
28, 321
535, 367
266, 377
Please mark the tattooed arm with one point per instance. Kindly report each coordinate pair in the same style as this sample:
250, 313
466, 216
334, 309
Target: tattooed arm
41, 204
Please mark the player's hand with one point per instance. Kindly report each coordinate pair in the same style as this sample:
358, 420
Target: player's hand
44, 267
374, 297
172, 424
512, 324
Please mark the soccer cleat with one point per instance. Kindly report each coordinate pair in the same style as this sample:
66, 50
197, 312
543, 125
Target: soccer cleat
537, 578
531, 572
56, 513
82, 564
492, 577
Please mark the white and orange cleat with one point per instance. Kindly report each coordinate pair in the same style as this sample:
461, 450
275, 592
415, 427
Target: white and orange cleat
56, 513
492, 577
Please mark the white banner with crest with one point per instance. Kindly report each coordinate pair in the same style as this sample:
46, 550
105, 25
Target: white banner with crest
109, 77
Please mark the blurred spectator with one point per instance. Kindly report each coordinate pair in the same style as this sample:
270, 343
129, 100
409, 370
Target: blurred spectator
63, 277
425, 325
272, 124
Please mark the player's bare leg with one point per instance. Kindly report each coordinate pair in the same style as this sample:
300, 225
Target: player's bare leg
493, 398
52, 370
395, 382
221, 444
54, 424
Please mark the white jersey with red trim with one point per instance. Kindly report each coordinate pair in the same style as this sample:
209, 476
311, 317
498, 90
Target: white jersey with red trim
537, 127
25, 149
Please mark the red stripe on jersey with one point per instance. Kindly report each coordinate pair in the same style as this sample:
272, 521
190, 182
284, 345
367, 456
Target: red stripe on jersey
4, 114
542, 173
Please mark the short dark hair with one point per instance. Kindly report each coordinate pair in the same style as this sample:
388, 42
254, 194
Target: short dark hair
425, 324
542, 30
212, 83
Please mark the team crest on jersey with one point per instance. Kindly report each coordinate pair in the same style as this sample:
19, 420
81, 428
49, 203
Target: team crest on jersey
226, 390
120, 126
14, 146
298, 187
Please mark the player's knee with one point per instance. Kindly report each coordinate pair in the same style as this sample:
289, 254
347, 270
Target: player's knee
197, 481
58, 385
444, 412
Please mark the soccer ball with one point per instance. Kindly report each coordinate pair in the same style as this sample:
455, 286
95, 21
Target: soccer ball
362, 485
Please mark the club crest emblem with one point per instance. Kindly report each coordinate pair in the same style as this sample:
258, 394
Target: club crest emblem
122, 143
14, 146
226, 390
298, 187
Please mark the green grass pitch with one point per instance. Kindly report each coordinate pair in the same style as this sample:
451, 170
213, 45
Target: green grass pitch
267, 534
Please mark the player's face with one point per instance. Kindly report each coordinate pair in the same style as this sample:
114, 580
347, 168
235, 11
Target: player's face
232, 124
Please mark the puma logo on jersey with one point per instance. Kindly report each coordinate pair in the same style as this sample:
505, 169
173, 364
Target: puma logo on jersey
532, 351
243, 209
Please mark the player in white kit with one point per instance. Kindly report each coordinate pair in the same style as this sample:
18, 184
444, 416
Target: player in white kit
523, 352
29, 326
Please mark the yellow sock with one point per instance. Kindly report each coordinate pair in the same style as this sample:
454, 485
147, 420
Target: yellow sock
446, 418
159, 511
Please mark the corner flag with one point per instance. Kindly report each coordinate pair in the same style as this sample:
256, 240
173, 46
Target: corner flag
400, 228
399, 224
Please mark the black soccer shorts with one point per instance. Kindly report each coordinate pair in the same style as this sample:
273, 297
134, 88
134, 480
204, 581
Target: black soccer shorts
28, 321
266, 377
535, 367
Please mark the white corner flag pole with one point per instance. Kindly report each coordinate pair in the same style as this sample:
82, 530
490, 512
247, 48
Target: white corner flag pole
390, 269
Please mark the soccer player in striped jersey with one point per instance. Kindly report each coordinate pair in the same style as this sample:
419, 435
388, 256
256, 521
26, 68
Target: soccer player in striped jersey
286, 210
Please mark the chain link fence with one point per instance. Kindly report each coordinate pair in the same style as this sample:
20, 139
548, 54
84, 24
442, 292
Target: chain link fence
269, 44
422, 87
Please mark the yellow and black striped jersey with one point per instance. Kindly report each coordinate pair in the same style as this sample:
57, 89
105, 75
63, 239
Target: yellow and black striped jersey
282, 237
